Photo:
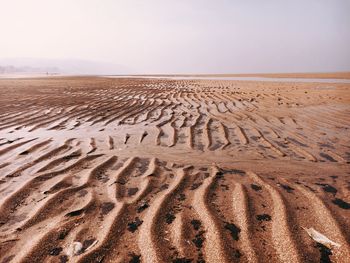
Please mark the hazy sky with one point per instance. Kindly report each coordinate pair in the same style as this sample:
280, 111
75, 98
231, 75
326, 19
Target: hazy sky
182, 36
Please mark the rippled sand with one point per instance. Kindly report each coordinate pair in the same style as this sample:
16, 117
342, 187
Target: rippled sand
142, 170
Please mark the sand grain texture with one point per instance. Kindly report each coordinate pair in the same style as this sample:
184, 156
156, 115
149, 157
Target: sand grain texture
98, 169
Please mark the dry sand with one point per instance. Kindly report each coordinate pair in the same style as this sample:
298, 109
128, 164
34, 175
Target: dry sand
141, 170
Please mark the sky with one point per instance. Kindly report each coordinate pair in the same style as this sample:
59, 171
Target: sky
182, 36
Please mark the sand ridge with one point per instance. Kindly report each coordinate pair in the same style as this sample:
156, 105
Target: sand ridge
156, 170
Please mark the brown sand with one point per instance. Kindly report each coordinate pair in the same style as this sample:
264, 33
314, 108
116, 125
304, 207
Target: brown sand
141, 170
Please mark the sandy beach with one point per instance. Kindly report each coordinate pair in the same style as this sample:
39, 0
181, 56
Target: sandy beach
96, 169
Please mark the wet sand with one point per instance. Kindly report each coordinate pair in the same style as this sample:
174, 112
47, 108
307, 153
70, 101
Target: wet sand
315, 75
141, 170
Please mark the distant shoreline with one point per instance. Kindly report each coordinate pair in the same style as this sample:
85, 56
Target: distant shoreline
324, 76
316, 75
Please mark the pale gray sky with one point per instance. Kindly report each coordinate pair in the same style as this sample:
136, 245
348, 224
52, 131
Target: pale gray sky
182, 36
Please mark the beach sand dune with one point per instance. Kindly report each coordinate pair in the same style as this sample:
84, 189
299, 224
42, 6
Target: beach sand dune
98, 169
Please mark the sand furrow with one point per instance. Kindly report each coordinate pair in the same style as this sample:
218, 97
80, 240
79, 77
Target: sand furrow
213, 247
240, 206
282, 238
147, 239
